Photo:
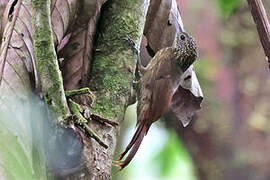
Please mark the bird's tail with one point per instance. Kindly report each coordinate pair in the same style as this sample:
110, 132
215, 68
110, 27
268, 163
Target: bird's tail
133, 146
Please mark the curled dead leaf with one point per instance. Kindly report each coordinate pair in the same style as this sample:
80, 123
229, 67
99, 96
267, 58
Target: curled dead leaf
187, 99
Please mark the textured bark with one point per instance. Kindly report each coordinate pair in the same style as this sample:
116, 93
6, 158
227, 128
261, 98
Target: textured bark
112, 73
114, 59
51, 82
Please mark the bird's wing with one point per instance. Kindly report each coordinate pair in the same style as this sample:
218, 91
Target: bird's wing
161, 98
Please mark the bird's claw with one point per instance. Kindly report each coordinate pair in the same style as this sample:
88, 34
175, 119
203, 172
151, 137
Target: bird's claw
133, 44
118, 164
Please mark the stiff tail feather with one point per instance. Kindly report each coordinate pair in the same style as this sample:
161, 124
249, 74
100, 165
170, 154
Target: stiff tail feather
133, 145
133, 140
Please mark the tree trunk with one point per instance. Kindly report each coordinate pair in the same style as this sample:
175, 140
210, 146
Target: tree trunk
111, 77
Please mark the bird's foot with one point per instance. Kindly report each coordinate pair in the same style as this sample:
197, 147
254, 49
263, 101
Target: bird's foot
118, 164
140, 68
133, 44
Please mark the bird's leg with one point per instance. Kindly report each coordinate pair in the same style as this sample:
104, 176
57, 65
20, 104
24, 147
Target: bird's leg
140, 69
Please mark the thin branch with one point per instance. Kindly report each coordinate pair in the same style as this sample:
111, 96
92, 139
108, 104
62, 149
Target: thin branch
263, 27
46, 60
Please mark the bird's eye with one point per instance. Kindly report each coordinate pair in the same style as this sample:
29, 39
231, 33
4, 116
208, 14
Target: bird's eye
182, 37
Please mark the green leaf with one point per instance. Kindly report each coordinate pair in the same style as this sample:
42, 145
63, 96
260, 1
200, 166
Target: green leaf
18, 151
227, 7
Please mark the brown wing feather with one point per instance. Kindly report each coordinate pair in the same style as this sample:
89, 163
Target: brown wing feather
158, 69
162, 87
162, 96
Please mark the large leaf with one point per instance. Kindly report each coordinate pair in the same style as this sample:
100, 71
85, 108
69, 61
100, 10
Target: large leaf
3, 5
17, 63
77, 53
63, 15
17, 157
186, 100
15, 56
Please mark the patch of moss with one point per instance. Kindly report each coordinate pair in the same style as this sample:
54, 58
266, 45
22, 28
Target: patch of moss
111, 85
46, 60
114, 63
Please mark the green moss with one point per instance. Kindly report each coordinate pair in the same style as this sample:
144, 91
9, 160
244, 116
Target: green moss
114, 63
111, 85
38, 3
46, 60
79, 91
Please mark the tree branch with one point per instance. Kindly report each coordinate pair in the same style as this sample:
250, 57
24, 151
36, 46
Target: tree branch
114, 61
112, 74
263, 27
46, 60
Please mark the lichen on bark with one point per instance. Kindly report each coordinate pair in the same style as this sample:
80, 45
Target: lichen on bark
114, 60
46, 60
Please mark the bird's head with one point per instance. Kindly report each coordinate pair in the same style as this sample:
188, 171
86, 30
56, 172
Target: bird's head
186, 50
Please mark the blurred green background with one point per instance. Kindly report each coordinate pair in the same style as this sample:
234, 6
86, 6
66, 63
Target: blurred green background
229, 139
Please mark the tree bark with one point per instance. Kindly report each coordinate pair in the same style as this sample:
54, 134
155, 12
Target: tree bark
51, 82
111, 77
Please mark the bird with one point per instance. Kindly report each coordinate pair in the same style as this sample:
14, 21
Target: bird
156, 86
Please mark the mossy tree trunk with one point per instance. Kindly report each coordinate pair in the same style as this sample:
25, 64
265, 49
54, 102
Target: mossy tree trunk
113, 68
114, 61
111, 78
51, 82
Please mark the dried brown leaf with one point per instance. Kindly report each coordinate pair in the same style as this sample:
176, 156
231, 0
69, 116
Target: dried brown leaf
187, 99
15, 57
3, 4
78, 51
162, 22
63, 15
17, 64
